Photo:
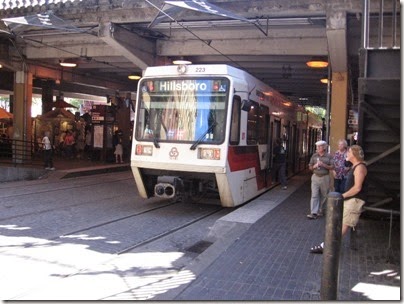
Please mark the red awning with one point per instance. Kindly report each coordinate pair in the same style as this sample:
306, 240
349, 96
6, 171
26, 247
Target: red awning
5, 115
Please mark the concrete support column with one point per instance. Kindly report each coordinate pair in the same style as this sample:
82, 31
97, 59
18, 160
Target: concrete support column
22, 124
123, 120
339, 97
47, 95
337, 47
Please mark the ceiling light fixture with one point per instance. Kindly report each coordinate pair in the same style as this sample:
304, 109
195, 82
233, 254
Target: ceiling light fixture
316, 62
181, 61
324, 80
68, 63
0, 66
134, 77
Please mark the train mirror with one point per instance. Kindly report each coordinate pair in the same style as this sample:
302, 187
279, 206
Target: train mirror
246, 105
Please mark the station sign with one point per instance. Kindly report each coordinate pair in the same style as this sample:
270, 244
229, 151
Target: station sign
97, 114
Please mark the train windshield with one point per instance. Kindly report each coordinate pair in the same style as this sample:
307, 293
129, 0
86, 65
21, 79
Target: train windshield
186, 110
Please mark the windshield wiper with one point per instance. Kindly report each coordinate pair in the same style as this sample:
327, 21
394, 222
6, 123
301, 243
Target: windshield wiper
198, 141
156, 142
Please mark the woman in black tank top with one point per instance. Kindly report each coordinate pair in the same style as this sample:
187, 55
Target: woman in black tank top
350, 181
355, 192
356, 179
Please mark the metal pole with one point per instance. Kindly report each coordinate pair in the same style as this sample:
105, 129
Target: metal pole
365, 24
332, 247
394, 26
381, 25
327, 117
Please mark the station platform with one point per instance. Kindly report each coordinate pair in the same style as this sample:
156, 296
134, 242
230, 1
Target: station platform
260, 251
68, 168
271, 259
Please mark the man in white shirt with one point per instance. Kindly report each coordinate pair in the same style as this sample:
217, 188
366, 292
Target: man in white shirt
47, 150
320, 164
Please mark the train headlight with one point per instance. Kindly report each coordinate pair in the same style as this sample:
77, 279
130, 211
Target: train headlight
209, 153
144, 150
159, 190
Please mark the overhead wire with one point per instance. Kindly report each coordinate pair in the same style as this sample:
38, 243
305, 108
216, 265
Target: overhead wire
75, 54
208, 43
11, 32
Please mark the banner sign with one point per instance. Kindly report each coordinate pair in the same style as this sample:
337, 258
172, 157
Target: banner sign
205, 7
201, 6
47, 20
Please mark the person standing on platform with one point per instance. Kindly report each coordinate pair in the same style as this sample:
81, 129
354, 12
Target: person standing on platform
47, 152
320, 163
341, 167
280, 163
117, 144
69, 144
61, 144
87, 147
355, 192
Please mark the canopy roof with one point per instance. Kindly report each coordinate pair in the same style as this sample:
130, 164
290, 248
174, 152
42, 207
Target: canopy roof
5, 115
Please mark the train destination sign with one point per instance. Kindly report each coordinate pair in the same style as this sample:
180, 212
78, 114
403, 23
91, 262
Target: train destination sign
197, 85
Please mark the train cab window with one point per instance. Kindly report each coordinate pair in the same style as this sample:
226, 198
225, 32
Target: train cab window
263, 124
235, 121
183, 109
252, 124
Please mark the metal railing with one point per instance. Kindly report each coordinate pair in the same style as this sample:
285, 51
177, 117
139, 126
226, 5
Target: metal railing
381, 24
20, 153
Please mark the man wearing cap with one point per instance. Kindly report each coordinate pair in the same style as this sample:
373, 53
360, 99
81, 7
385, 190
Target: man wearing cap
320, 163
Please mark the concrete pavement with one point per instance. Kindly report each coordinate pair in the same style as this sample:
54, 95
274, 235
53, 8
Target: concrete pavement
261, 252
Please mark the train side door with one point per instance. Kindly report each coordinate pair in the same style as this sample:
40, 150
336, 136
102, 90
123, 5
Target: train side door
293, 148
257, 145
263, 130
275, 133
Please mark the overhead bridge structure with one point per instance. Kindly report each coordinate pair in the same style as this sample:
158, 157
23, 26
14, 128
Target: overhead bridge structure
272, 40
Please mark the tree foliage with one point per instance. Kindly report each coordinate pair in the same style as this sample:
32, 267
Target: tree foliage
316, 110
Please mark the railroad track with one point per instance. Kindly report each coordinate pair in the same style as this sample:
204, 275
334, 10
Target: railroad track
171, 231
139, 228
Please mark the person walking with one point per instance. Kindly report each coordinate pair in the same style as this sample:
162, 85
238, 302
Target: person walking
341, 166
280, 163
355, 193
320, 163
47, 152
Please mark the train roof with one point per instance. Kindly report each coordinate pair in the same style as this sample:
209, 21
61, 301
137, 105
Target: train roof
209, 69
216, 70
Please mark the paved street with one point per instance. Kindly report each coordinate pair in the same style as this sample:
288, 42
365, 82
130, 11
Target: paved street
257, 252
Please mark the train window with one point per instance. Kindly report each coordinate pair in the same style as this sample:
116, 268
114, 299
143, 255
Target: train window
188, 109
235, 121
285, 137
304, 143
263, 124
277, 129
252, 124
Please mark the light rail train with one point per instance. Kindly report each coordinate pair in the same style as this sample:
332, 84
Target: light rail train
209, 130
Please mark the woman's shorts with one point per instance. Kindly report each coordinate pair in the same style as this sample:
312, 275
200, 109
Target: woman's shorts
352, 211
